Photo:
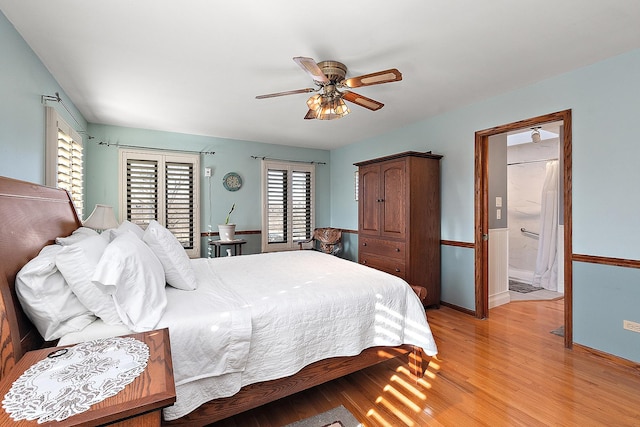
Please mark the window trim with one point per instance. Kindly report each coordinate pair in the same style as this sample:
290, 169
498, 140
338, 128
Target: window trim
54, 125
162, 157
290, 167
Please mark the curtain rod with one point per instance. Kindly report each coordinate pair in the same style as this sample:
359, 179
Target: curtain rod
59, 100
118, 145
284, 160
530, 161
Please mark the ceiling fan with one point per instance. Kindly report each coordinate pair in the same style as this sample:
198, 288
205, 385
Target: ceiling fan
329, 77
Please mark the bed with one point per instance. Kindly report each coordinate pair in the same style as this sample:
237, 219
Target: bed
263, 358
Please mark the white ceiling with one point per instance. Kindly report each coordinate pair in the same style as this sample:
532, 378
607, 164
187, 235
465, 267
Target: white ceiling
195, 66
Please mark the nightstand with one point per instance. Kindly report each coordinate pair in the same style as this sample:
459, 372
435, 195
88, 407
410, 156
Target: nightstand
139, 404
237, 246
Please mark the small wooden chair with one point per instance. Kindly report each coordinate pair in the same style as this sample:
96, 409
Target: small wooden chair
420, 291
327, 240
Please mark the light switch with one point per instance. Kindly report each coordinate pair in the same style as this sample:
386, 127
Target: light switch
498, 213
498, 202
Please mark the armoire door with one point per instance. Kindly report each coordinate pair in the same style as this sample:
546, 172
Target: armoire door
393, 201
369, 200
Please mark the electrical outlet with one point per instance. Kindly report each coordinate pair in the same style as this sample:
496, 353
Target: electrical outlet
207, 171
631, 326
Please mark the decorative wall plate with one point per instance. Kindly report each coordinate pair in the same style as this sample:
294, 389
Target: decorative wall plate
232, 181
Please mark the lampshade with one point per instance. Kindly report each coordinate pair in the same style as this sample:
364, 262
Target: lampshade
314, 102
101, 218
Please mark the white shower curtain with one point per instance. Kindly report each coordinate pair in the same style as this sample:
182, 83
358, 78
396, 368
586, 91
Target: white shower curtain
546, 272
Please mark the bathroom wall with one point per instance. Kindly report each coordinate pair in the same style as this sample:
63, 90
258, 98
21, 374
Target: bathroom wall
525, 178
498, 231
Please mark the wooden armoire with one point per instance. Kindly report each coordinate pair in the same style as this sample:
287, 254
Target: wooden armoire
399, 218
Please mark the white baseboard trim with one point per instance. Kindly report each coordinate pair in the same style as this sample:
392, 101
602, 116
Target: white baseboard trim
499, 299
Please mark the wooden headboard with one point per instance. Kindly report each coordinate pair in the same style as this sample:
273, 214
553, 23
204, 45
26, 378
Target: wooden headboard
31, 217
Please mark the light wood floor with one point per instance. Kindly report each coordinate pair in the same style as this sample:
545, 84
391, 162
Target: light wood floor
508, 370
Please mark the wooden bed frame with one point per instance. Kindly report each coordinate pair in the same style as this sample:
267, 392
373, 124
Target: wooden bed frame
32, 216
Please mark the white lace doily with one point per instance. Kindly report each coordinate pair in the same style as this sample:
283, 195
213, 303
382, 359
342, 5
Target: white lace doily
69, 382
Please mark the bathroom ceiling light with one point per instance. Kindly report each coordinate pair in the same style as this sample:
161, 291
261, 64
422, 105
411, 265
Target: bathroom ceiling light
535, 134
523, 136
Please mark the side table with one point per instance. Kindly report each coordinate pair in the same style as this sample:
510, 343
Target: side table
237, 246
138, 404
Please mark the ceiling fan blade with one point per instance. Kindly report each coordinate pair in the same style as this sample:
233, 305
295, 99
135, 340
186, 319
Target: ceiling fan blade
289, 92
386, 76
362, 101
309, 65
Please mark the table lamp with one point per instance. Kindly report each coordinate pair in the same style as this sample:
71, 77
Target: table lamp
102, 218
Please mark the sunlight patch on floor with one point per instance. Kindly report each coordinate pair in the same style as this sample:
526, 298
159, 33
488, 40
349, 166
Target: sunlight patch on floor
401, 397
395, 411
379, 419
408, 387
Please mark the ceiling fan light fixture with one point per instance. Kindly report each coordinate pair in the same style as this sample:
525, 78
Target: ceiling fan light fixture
326, 107
333, 108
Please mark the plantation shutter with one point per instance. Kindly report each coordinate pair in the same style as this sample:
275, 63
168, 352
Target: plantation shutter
165, 188
179, 178
69, 175
277, 205
64, 168
288, 204
142, 191
301, 205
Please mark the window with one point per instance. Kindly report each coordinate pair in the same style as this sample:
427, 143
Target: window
63, 166
162, 187
288, 212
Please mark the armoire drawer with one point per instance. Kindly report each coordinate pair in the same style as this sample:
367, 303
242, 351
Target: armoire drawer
388, 265
385, 248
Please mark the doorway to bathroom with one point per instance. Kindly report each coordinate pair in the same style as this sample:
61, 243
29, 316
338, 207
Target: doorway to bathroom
491, 214
533, 209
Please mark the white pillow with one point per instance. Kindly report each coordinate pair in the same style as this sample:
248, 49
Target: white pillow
47, 299
77, 264
78, 234
128, 226
133, 275
109, 234
175, 261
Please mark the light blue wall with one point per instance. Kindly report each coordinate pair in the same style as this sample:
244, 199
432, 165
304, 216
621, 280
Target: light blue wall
23, 81
457, 273
605, 103
230, 156
597, 290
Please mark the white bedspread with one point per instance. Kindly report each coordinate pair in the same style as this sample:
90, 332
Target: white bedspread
266, 316
211, 323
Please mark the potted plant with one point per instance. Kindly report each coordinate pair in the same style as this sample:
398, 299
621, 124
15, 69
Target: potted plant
227, 231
